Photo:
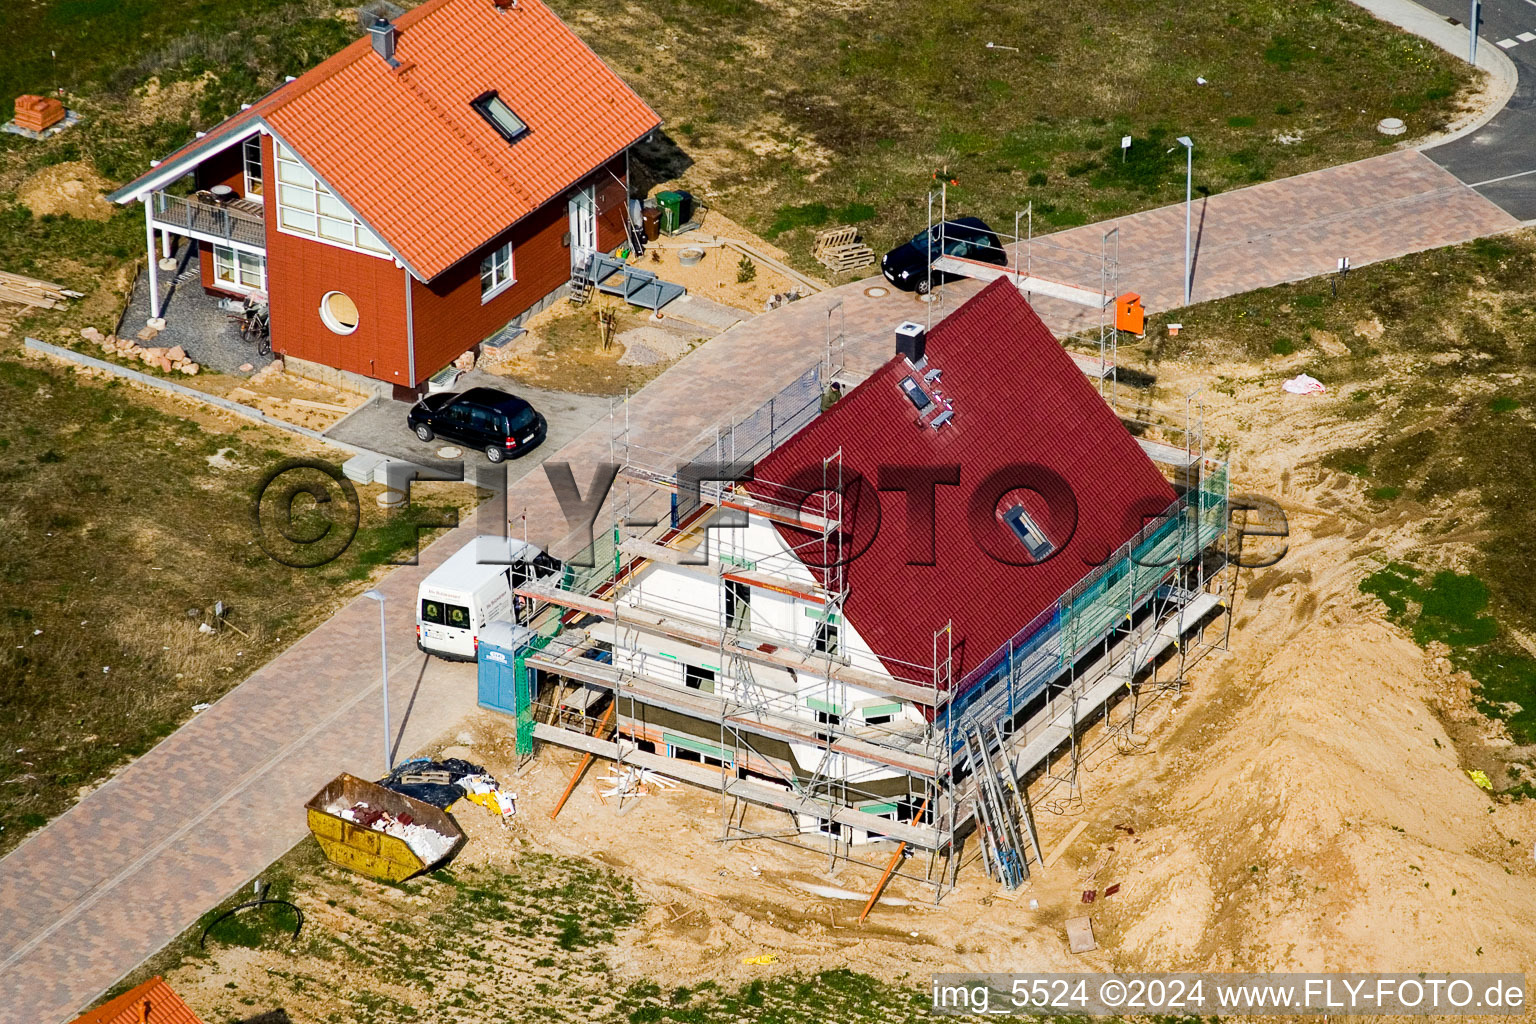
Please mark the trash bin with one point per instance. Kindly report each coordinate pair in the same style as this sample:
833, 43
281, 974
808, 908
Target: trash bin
650, 217
372, 852
672, 213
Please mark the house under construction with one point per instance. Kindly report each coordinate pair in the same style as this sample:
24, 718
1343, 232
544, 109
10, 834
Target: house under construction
888, 616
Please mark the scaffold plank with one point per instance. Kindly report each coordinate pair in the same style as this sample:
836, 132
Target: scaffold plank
773, 512
978, 271
1167, 454
751, 577
696, 703
746, 645
706, 777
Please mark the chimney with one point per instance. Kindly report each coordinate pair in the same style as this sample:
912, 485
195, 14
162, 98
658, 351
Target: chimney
505, 5
383, 34
911, 341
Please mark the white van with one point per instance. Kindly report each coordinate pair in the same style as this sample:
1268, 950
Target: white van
472, 588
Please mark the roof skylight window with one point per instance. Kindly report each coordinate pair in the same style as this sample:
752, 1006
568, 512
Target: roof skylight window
500, 116
1029, 533
915, 393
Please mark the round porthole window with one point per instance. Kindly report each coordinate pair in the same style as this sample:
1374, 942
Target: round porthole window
339, 312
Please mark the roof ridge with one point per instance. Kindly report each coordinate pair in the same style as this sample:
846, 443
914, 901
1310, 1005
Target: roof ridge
464, 136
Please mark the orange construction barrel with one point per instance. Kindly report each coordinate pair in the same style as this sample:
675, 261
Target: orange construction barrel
1129, 314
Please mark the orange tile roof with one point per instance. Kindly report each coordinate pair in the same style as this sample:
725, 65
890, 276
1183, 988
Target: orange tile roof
151, 1003
405, 150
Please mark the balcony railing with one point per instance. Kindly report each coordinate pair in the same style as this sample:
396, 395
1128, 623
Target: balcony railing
237, 221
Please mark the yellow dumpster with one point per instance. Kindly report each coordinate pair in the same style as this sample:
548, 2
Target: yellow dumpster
424, 835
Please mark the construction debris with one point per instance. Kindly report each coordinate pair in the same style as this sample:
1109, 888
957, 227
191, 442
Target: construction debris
33, 292
634, 782
1304, 384
1080, 935
431, 846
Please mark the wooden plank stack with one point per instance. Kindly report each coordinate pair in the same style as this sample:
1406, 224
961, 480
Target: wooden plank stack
840, 249
32, 292
38, 113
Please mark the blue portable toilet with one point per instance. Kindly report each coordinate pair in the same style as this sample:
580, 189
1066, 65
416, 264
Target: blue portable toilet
500, 643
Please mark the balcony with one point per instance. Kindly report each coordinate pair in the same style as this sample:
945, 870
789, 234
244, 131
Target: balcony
203, 217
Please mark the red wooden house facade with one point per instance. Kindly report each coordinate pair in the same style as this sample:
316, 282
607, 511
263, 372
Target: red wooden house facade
412, 195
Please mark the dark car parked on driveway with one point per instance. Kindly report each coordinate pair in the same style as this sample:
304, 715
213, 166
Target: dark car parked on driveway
501, 425
906, 266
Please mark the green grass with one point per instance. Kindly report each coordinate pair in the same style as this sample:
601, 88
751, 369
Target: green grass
112, 526
536, 938
1451, 608
791, 114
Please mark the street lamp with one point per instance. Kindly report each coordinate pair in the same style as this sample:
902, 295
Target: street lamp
389, 748
1189, 194
1472, 33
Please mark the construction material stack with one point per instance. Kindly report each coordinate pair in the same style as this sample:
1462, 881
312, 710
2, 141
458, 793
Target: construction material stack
38, 113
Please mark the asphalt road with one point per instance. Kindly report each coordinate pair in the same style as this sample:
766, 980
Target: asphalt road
1499, 159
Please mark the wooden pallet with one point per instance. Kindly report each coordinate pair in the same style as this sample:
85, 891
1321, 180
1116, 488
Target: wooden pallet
840, 249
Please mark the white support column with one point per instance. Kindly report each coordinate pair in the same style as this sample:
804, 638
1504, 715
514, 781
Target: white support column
165, 244
154, 268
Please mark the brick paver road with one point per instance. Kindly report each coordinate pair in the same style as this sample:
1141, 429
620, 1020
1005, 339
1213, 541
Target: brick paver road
116, 877
1280, 231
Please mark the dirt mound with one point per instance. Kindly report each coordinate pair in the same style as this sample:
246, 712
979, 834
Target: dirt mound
1307, 808
71, 189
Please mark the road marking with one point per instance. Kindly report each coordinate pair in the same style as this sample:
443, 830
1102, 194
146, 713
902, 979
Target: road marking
1495, 181
1508, 44
1526, 37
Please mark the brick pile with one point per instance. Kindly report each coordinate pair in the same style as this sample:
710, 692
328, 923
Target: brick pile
38, 113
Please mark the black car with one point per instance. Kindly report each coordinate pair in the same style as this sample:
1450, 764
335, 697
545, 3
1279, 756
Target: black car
906, 266
499, 424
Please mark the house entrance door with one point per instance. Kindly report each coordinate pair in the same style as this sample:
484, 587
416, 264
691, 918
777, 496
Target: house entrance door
583, 209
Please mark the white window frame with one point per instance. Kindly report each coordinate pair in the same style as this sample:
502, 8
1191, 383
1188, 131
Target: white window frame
498, 272
254, 142
236, 260
307, 208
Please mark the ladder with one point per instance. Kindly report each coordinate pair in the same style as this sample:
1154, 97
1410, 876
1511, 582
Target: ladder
1004, 819
581, 281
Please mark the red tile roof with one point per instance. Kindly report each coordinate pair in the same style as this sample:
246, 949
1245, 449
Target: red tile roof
151, 1003
405, 150
1017, 398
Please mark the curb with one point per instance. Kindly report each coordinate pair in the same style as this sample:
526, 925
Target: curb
1453, 39
182, 391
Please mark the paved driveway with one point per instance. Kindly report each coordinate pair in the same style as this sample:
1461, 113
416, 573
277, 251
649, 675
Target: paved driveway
379, 426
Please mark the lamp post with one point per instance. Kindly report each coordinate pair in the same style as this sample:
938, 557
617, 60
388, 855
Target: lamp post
1189, 194
389, 748
1472, 33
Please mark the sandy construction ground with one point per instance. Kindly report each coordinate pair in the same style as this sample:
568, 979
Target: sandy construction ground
1299, 805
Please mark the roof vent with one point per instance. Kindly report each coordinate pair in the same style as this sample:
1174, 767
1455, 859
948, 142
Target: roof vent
911, 341
383, 33
505, 5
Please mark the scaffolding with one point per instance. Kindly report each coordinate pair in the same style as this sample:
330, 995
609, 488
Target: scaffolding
981, 740
1041, 270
